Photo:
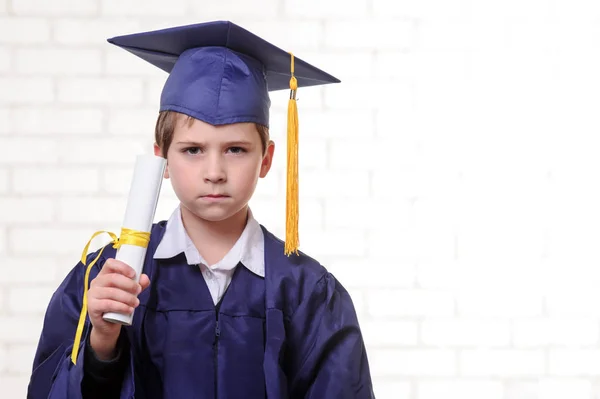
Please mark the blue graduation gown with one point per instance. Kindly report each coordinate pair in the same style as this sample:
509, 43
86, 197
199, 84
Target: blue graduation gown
293, 334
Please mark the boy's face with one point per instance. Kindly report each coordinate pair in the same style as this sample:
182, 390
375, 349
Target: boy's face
214, 169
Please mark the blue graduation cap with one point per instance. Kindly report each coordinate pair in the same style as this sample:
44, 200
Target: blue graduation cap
221, 73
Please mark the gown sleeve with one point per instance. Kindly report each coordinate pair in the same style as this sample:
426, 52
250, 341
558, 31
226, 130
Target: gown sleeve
328, 355
54, 375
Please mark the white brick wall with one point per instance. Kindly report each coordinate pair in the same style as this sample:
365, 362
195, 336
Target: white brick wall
449, 182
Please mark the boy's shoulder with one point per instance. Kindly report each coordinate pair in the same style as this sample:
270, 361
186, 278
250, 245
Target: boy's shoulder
292, 279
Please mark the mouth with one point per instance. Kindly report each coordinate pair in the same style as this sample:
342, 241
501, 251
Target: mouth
215, 196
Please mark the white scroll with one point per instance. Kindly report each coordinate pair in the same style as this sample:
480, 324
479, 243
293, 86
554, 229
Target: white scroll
139, 215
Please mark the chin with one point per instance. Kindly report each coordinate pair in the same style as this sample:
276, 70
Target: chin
212, 213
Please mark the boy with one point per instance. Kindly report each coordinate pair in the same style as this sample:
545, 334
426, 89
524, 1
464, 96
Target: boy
231, 311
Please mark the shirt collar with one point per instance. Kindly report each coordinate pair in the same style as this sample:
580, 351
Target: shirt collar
248, 249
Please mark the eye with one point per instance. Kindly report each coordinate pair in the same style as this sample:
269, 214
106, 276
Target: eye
191, 150
237, 150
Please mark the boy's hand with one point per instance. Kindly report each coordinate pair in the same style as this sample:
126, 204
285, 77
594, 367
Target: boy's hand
113, 290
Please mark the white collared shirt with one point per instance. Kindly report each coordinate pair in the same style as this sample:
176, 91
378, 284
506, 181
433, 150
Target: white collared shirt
248, 249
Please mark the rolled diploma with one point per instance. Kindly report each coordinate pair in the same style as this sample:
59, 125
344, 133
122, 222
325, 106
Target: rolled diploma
139, 215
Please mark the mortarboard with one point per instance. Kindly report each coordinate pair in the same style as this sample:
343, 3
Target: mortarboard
221, 73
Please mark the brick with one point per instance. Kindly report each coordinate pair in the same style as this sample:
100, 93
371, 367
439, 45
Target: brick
563, 388
20, 329
406, 246
335, 124
342, 185
578, 11
503, 363
57, 121
437, 274
409, 362
24, 151
295, 36
27, 269
318, 9
457, 332
110, 91
403, 303
227, 9
312, 154
395, 34
3, 10
320, 244
20, 358
137, 121
390, 333
92, 30
123, 63
445, 35
15, 384
3, 240
575, 302
104, 151
357, 272
29, 299
358, 95
24, 30
388, 388
56, 61
3, 359
487, 302
30, 90
544, 332
5, 59
463, 388
344, 65
152, 92
272, 187
361, 154
398, 64
88, 211
55, 180
56, 240
4, 183
272, 212
308, 99
143, 8
26, 210
574, 362
403, 124
550, 388
5, 121
56, 8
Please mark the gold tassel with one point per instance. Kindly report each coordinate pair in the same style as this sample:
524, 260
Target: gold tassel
292, 212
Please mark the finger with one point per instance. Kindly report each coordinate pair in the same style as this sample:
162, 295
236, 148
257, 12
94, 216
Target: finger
116, 266
107, 305
117, 295
118, 281
144, 281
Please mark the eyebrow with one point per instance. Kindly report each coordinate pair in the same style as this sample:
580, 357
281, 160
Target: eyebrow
229, 143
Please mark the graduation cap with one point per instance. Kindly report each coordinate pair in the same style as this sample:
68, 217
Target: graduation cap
221, 73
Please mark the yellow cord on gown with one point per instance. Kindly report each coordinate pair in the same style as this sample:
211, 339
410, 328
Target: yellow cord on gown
129, 237
292, 212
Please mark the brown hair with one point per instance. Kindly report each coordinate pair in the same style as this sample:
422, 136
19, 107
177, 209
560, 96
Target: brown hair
165, 129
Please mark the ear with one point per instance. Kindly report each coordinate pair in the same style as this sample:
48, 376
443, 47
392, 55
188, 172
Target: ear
158, 152
267, 161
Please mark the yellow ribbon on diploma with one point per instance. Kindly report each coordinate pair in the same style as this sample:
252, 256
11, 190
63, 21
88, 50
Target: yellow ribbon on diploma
129, 237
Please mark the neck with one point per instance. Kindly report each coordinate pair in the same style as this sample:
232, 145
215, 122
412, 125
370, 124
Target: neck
214, 239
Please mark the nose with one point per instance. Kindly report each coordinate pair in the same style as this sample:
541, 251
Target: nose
215, 169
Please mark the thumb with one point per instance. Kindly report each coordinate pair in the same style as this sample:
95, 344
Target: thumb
144, 281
